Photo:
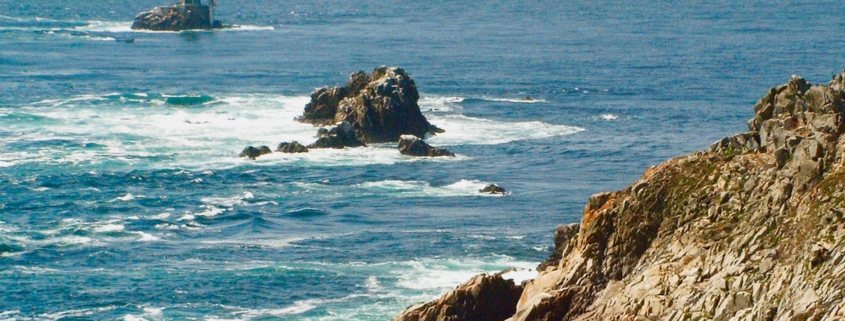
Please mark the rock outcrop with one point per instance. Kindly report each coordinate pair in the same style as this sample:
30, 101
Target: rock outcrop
751, 229
342, 135
253, 152
482, 298
413, 146
184, 15
493, 189
291, 148
381, 106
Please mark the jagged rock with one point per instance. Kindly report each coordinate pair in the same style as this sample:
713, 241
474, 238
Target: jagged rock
482, 298
342, 135
492, 189
253, 152
413, 146
184, 15
718, 235
292, 147
563, 235
381, 106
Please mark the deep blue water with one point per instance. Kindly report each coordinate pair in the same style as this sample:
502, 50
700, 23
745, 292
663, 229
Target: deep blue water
117, 205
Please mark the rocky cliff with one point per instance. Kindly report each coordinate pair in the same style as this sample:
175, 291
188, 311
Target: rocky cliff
751, 229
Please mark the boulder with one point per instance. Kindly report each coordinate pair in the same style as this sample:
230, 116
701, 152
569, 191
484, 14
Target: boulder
413, 146
483, 298
253, 152
184, 15
291, 148
342, 135
381, 106
492, 189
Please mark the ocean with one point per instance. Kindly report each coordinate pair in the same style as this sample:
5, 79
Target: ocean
122, 196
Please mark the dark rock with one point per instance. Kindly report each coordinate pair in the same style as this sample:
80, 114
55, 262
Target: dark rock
183, 15
381, 106
564, 235
413, 146
292, 147
482, 298
253, 152
493, 189
342, 135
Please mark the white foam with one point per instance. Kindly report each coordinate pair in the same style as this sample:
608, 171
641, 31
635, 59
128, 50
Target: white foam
109, 228
461, 130
523, 100
228, 201
211, 135
398, 188
608, 116
127, 197
520, 275
445, 274
440, 103
146, 237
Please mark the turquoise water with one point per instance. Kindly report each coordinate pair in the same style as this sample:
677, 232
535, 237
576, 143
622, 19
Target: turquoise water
121, 196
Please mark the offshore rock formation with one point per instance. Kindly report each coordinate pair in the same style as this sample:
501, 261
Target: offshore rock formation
183, 15
291, 148
751, 229
493, 189
253, 152
382, 106
413, 146
342, 135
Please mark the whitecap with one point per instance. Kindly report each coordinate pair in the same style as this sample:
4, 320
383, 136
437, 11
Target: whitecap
146, 237
440, 103
127, 197
462, 130
109, 228
608, 116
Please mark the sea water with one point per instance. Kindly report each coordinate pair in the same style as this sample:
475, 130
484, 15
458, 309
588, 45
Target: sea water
122, 196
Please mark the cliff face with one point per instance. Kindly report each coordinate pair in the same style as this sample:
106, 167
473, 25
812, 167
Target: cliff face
750, 230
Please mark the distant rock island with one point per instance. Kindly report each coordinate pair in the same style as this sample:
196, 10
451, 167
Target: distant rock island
380, 107
751, 229
183, 15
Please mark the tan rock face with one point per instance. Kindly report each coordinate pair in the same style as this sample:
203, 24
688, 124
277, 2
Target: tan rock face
750, 230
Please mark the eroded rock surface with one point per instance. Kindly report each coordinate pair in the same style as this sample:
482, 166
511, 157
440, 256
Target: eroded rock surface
413, 146
177, 17
381, 106
291, 148
253, 152
482, 298
751, 229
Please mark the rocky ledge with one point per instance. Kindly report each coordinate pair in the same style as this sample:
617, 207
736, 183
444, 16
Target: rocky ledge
382, 106
751, 229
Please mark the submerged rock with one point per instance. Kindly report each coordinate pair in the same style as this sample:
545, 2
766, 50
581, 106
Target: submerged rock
753, 229
413, 146
253, 152
291, 148
183, 15
342, 135
381, 106
492, 189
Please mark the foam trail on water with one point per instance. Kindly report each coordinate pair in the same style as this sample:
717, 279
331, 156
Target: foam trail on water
396, 188
462, 129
